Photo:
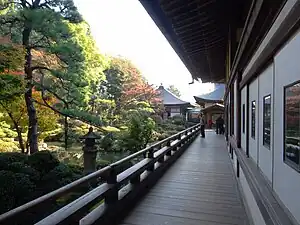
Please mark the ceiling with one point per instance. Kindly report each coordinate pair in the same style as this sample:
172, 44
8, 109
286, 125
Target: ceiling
198, 31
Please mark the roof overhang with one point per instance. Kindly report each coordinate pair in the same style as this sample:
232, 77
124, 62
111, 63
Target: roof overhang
179, 105
213, 107
203, 100
198, 32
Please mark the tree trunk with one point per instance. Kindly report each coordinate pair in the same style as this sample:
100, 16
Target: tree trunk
19, 132
20, 139
66, 125
31, 112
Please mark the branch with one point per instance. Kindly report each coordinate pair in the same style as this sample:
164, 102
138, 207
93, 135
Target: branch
40, 68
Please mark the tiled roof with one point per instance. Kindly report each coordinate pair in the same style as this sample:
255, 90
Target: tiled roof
169, 98
216, 95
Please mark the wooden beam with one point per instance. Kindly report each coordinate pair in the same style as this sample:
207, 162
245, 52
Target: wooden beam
250, 21
238, 111
286, 24
247, 121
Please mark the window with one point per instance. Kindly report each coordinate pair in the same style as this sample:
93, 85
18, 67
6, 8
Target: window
292, 125
267, 121
243, 118
175, 110
253, 109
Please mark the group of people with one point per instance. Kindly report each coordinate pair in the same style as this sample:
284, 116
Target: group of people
219, 125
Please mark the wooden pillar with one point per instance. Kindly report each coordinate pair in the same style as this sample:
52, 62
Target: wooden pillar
247, 120
226, 120
231, 105
238, 112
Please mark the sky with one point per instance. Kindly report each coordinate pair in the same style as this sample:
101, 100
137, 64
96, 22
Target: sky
123, 27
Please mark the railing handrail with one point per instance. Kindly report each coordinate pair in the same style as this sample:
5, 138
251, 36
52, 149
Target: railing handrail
145, 150
102, 173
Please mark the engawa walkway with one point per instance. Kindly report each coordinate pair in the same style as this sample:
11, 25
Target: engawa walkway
199, 189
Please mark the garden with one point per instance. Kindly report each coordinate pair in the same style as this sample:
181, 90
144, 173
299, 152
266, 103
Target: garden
54, 85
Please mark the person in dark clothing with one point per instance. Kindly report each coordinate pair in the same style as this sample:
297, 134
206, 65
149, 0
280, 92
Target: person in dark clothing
202, 125
220, 125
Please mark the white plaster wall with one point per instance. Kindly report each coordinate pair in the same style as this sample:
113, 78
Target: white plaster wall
286, 181
250, 202
244, 101
265, 154
235, 103
253, 143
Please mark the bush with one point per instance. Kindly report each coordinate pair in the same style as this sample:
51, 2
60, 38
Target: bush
8, 146
24, 178
59, 176
178, 120
107, 142
15, 190
101, 163
77, 169
43, 161
140, 131
6, 158
19, 167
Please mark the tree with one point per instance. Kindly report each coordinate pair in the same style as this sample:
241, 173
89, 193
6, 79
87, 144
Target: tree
60, 59
126, 87
13, 107
174, 90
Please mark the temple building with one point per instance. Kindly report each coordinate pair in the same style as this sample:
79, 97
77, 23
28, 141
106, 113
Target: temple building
252, 46
212, 104
211, 98
173, 105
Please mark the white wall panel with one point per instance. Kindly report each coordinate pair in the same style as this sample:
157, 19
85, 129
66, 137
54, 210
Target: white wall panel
253, 144
265, 153
286, 181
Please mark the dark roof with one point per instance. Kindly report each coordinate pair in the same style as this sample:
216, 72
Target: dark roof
198, 32
169, 98
214, 96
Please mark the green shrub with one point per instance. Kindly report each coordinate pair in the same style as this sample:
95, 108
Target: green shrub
107, 142
102, 163
77, 169
43, 161
8, 146
59, 176
6, 158
15, 190
140, 131
178, 120
20, 167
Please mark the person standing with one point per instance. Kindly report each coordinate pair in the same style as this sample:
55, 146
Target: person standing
220, 125
222, 130
202, 125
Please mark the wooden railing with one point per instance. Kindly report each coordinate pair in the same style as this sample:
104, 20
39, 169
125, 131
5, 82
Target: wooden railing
116, 191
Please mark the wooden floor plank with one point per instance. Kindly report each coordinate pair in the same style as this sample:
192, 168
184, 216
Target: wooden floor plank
199, 188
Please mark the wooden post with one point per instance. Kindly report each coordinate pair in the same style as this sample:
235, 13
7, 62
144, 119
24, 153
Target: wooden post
238, 112
247, 121
112, 195
151, 156
169, 153
237, 168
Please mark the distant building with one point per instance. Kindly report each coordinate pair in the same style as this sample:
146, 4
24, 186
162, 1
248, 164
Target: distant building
212, 104
172, 104
216, 96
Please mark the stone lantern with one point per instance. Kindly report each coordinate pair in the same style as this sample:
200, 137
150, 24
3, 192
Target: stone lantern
89, 151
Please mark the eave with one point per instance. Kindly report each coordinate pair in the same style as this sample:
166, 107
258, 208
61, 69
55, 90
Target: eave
198, 32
